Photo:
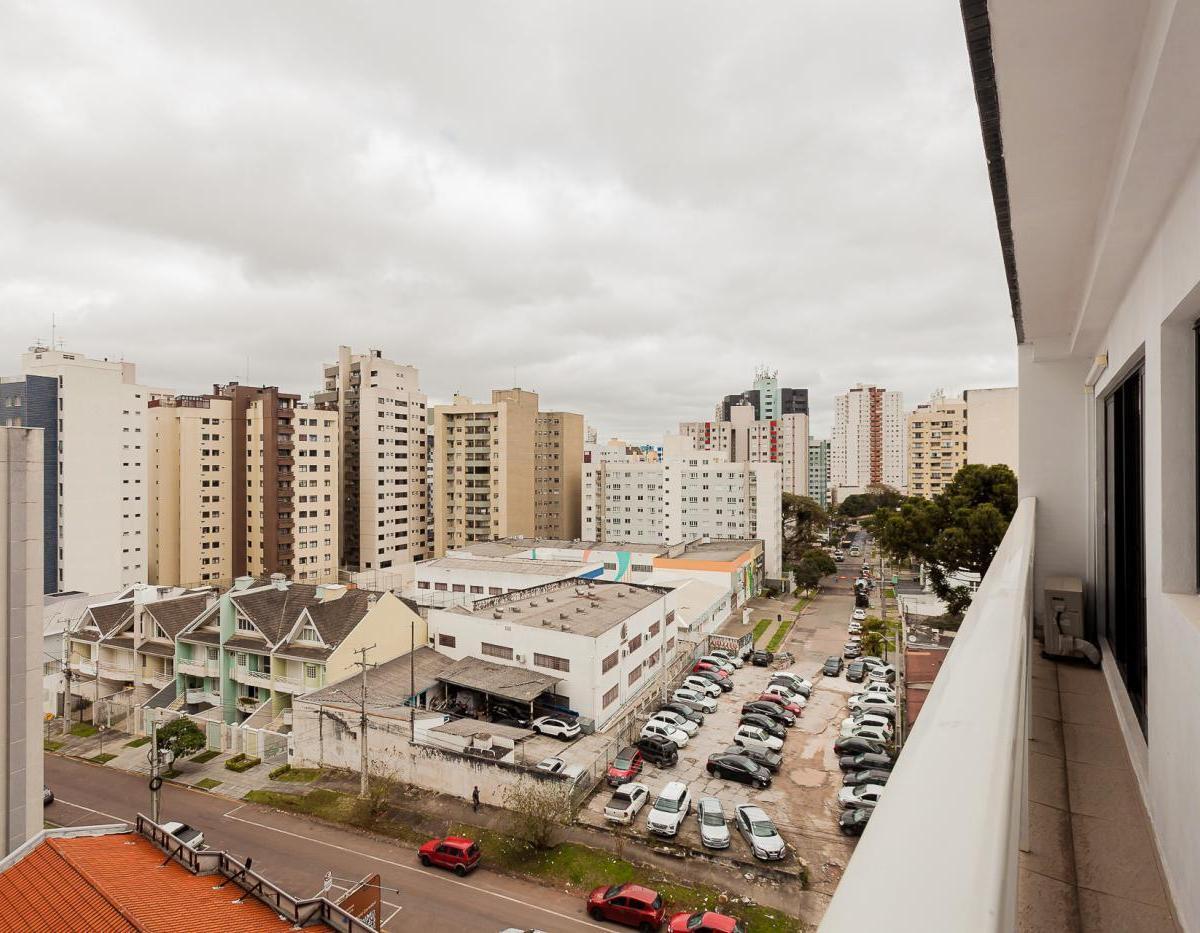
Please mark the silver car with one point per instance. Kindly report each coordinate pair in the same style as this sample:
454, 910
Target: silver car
714, 830
760, 833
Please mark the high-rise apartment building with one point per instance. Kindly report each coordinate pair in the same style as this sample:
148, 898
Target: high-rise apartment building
32, 402
818, 472
242, 481
504, 468
992, 426
744, 438
867, 448
383, 470
102, 521
686, 496
937, 444
766, 399
22, 452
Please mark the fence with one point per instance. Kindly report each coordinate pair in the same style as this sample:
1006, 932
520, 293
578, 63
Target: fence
222, 737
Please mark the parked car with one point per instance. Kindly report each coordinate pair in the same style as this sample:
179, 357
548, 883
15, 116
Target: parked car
793, 682
866, 731
721, 663
862, 796
674, 719
760, 658
695, 699
188, 835
773, 711
705, 667
869, 718
723, 682
775, 699
786, 693
861, 599
701, 685
839, 556
665, 730
551, 765
766, 723
857, 762
833, 666
707, 922
625, 802
511, 715
854, 628
686, 712
731, 656
760, 756
853, 822
760, 833
854, 744
625, 767
860, 615
456, 853
628, 904
754, 737
561, 727
47, 796
856, 671
714, 828
880, 687
879, 703
738, 768
885, 674
851, 650
658, 751
866, 776
669, 810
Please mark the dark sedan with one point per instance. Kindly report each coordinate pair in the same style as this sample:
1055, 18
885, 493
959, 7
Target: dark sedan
685, 711
725, 683
761, 658
855, 744
766, 723
865, 760
760, 756
833, 666
866, 776
853, 822
739, 768
771, 711
856, 671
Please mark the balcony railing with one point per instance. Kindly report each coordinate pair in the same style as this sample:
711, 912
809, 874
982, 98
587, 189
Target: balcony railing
936, 823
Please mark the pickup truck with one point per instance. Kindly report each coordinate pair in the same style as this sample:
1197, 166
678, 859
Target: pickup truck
190, 837
626, 801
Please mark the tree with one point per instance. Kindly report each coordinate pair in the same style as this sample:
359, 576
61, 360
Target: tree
540, 808
181, 738
814, 565
876, 497
877, 636
802, 517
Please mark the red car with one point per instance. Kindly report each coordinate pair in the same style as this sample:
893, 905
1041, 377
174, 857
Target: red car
707, 922
458, 854
630, 904
793, 708
625, 767
712, 669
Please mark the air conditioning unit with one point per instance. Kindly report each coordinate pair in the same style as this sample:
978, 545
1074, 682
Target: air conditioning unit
520, 658
1062, 621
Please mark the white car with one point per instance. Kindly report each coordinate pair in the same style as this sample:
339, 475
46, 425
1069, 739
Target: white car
760, 833
731, 656
860, 615
862, 797
698, 701
551, 765
189, 836
701, 685
749, 736
880, 687
558, 726
674, 719
664, 730
785, 694
854, 628
860, 719
720, 663
885, 673
871, 733
879, 703
627, 801
669, 810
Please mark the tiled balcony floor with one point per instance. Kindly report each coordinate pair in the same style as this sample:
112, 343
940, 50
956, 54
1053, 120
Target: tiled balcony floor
1092, 867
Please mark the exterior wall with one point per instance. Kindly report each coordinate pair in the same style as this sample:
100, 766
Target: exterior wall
103, 527
390, 626
781, 439
868, 438
497, 576
818, 472
317, 510
937, 445
558, 474
22, 452
32, 402
992, 420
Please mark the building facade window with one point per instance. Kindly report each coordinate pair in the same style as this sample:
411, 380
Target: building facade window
609, 663
551, 662
610, 697
447, 641
496, 651
635, 674
635, 643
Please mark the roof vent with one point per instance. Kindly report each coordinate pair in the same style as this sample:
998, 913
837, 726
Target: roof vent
564, 627
620, 594
514, 608
581, 609
564, 615
532, 603
549, 600
547, 622
497, 614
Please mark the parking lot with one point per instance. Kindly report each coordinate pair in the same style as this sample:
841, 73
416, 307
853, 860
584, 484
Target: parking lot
802, 799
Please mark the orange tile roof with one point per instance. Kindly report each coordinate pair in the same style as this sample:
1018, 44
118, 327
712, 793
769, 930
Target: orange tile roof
117, 882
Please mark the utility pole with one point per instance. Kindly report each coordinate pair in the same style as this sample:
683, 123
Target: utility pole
363, 787
155, 779
412, 680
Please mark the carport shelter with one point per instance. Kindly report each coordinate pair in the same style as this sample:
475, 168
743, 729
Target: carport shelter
498, 682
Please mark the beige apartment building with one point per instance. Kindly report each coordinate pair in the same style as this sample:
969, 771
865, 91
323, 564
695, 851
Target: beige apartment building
937, 444
383, 469
504, 468
992, 426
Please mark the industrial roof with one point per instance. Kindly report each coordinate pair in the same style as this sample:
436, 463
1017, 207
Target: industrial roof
119, 881
501, 680
547, 568
388, 685
719, 549
469, 727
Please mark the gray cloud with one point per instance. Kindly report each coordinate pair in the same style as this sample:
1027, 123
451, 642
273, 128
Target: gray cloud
630, 205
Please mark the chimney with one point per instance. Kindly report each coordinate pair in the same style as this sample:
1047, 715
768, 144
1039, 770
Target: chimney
279, 581
327, 592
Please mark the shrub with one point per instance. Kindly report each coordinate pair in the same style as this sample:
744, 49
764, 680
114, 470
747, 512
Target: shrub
240, 763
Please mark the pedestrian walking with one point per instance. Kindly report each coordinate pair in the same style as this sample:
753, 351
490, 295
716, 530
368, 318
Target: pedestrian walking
475, 799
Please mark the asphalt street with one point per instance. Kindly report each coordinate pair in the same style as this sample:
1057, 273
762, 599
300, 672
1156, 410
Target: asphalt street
295, 854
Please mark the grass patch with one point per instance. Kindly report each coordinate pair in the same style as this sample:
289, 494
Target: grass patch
240, 763
85, 730
337, 807
102, 759
170, 773
207, 784
759, 628
780, 634
139, 742
295, 775
50, 745
204, 757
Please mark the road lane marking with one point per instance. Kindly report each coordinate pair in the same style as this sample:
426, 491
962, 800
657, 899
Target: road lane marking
119, 819
412, 868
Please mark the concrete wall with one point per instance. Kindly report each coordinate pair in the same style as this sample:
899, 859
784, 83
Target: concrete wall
993, 418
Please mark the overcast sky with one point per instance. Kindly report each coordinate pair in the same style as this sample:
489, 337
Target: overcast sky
628, 205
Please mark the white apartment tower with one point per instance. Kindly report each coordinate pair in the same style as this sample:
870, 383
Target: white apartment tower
103, 468
743, 438
868, 444
383, 469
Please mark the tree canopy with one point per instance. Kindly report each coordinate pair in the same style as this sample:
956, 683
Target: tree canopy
802, 519
875, 498
813, 564
180, 738
958, 530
